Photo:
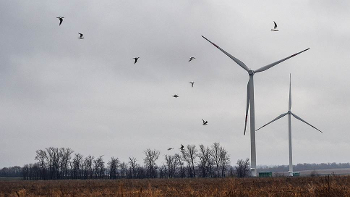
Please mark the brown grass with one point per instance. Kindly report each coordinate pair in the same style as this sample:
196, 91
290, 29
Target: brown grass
281, 186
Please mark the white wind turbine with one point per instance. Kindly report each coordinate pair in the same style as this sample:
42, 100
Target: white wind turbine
290, 125
250, 100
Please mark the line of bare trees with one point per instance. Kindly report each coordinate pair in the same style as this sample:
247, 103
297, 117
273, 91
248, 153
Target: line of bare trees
14, 171
63, 163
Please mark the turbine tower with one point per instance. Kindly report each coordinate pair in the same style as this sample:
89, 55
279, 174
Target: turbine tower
250, 100
289, 113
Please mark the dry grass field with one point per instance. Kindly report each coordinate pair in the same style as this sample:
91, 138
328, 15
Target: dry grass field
281, 186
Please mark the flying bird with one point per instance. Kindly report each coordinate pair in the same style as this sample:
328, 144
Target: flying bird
61, 19
182, 147
170, 148
81, 36
192, 83
135, 59
275, 27
191, 58
205, 122
175, 96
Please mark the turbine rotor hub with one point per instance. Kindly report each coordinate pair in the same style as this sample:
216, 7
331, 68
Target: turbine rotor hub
251, 72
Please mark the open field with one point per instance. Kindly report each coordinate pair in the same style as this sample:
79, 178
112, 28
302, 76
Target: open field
10, 178
338, 171
321, 172
281, 186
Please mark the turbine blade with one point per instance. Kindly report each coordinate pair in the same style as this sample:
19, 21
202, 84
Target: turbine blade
297, 117
290, 92
239, 62
278, 117
279, 61
246, 111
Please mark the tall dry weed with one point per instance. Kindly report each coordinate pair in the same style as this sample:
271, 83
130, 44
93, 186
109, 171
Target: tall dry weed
278, 186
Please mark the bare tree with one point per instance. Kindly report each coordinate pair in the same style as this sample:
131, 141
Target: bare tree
65, 157
182, 170
76, 166
216, 157
205, 161
163, 171
34, 171
113, 167
123, 169
42, 159
25, 172
171, 165
189, 155
99, 167
133, 167
88, 167
224, 161
14, 171
141, 172
150, 162
53, 158
220, 158
231, 171
243, 168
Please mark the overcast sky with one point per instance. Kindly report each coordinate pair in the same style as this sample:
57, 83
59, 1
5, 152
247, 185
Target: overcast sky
88, 95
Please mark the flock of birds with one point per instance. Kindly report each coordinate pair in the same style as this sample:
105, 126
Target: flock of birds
60, 18
182, 148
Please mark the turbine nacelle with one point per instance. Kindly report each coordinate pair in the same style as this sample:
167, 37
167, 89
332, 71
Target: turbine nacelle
251, 72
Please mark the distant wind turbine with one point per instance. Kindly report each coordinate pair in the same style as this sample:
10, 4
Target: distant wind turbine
250, 99
290, 125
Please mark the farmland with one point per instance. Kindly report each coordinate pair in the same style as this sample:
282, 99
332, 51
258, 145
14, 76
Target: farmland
278, 186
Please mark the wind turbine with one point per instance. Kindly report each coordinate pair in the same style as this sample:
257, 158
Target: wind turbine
250, 99
290, 125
